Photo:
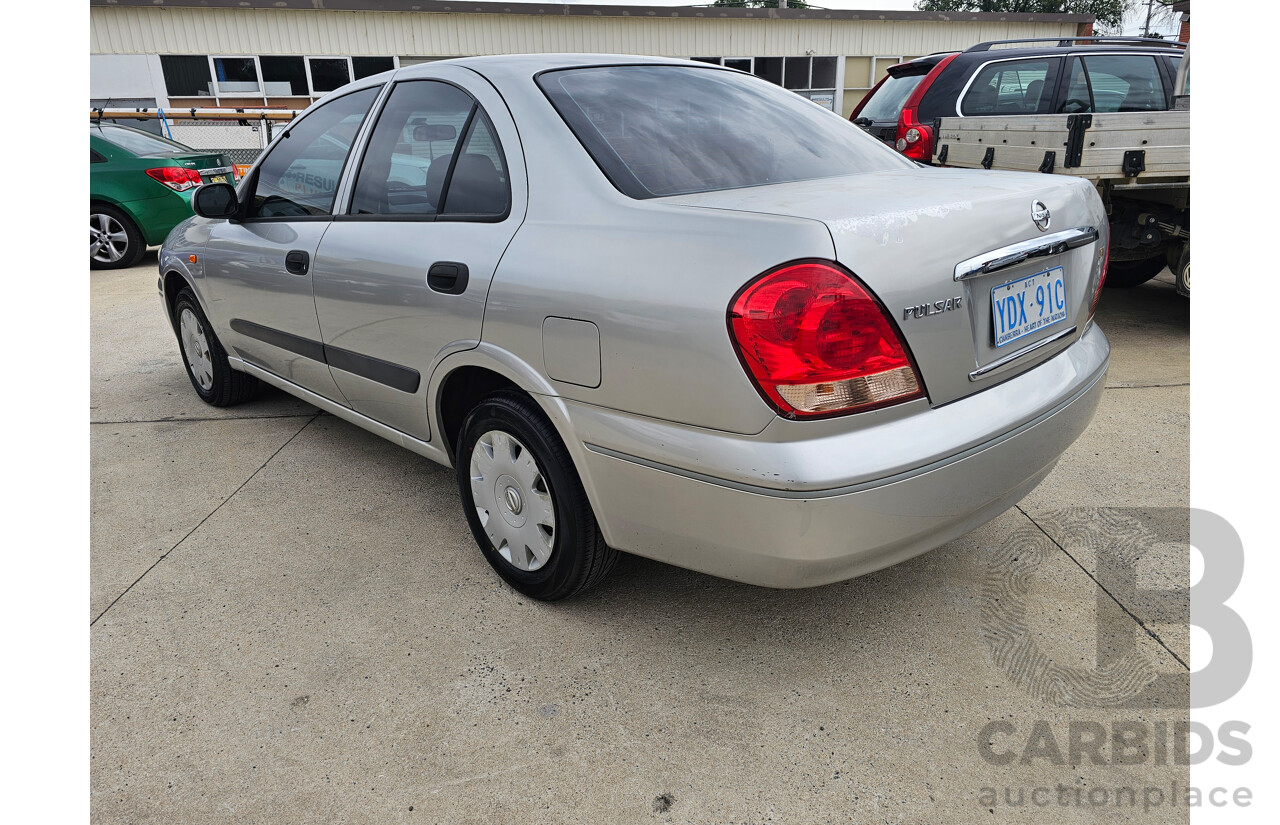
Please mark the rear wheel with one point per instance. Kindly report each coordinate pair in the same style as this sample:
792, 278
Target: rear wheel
525, 503
1127, 274
1181, 267
114, 240
205, 359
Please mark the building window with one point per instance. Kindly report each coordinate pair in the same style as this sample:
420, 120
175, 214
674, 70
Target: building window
284, 76
810, 77
240, 78
328, 73
187, 75
362, 67
236, 76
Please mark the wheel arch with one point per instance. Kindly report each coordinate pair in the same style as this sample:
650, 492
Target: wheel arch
463, 379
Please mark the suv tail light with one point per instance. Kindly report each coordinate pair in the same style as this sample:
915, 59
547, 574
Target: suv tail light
915, 140
816, 343
177, 178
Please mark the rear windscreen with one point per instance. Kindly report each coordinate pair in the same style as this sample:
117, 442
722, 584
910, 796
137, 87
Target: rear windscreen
887, 101
673, 130
140, 143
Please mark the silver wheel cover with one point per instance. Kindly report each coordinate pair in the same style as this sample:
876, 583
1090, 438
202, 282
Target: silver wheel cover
195, 348
108, 242
513, 500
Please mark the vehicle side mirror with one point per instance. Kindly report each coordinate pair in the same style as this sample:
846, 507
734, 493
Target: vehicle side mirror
436, 131
215, 200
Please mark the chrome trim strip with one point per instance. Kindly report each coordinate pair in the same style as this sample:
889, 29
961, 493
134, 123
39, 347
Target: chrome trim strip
1007, 256
1010, 358
775, 492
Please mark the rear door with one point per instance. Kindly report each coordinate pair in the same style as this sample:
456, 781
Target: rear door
402, 276
259, 269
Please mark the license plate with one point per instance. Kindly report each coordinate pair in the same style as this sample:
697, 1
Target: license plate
218, 179
1028, 305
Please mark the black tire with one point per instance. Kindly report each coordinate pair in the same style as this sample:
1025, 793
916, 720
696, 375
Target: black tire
107, 248
1182, 271
578, 557
220, 386
1128, 274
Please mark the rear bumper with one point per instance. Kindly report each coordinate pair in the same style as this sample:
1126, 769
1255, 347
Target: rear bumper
157, 216
798, 536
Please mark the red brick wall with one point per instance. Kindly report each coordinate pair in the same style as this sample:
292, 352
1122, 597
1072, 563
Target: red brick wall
1185, 34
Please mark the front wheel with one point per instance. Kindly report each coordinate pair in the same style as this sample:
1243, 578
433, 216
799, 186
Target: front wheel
205, 359
525, 503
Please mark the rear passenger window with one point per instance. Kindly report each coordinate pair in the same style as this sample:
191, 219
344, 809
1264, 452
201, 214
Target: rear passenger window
432, 152
299, 178
1125, 83
479, 183
407, 162
1011, 87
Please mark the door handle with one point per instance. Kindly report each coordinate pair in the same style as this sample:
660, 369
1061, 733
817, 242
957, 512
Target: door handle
297, 261
448, 277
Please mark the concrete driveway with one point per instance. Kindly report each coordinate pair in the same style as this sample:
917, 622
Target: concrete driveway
291, 623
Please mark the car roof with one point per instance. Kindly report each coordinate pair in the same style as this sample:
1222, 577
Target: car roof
531, 64
1053, 51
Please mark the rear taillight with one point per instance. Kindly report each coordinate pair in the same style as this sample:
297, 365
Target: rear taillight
1102, 278
915, 140
177, 178
816, 343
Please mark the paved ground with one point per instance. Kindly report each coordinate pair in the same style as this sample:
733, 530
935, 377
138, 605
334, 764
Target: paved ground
290, 623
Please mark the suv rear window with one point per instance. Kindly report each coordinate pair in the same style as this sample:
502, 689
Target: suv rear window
672, 130
887, 101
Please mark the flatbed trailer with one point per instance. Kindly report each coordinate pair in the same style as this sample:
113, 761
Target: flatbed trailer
1140, 162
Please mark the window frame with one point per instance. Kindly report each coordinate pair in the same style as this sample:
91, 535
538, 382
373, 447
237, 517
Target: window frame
1160, 71
342, 212
311, 86
1052, 79
217, 85
250, 184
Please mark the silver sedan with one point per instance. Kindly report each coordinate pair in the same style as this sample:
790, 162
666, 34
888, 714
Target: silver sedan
653, 306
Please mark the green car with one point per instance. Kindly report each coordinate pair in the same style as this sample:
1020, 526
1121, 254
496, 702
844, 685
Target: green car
140, 187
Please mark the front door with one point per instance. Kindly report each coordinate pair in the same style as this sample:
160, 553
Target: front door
402, 275
260, 269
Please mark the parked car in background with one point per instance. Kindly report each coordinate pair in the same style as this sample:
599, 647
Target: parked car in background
633, 319
140, 187
1014, 77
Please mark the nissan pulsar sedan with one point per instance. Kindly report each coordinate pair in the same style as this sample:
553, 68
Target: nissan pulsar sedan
656, 307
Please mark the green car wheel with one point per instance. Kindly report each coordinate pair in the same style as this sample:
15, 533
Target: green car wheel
114, 242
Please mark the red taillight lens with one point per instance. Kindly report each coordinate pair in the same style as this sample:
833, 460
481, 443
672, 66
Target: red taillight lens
817, 343
915, 140
177, 178
1102, 278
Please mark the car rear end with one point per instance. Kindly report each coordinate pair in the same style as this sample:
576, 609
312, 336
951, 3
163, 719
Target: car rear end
804, 376
152, 178
890, 112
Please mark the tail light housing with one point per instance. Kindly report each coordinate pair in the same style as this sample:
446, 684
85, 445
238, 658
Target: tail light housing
1102, 277
915, 139
177, 178
816, 343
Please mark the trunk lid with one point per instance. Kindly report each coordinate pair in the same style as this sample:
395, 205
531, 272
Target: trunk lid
904, 233
213, 167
